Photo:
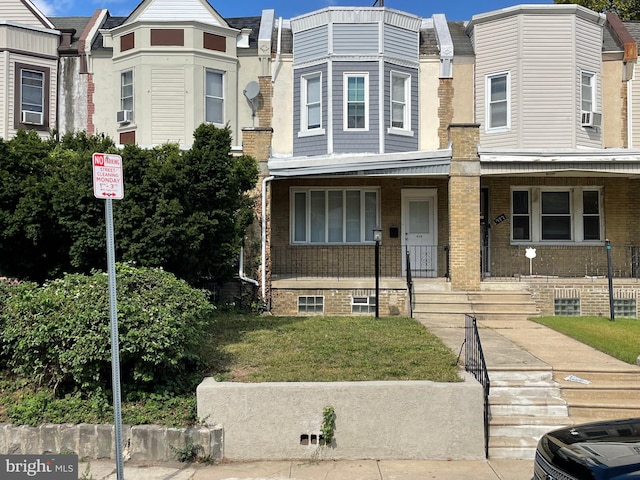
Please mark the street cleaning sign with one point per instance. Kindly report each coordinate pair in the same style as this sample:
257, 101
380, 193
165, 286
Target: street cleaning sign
107, 176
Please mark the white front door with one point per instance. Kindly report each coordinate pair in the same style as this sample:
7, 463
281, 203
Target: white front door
419, 231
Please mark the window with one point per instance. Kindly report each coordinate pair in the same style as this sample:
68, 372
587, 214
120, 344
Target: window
587, 91
214, 97
311, 103
497, 108
31, 90
310, 304
556, 214
566, 307
334, 216
32, 96
400, 98
625, 307
363, 304
356, 95
126, 90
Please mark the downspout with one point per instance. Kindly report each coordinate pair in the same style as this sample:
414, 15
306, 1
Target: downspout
241, 270
264, 234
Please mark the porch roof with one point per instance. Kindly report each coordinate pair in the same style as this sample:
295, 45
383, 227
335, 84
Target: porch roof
562, 162
433, 162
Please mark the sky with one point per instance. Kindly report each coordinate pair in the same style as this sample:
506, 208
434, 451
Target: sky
453, 9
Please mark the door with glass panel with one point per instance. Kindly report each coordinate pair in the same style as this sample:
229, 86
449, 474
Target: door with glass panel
419, 231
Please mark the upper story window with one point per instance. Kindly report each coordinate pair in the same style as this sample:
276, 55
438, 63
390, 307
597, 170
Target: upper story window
126, 90
587, 91
498, 102
32, 99
556, 214
333, 216
400, 101
356, 101
214, 97
311, 101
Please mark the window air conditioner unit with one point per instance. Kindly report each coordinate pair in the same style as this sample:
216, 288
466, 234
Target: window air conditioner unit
124, 116
32, 118
591, 119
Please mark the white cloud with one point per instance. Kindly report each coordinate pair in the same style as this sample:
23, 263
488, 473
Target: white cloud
55, 7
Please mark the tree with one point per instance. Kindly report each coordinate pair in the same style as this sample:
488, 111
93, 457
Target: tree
625, 9
182, 211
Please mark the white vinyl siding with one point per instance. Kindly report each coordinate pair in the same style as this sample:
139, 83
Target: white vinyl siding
556, 215
321, 216
18, 12
167, 106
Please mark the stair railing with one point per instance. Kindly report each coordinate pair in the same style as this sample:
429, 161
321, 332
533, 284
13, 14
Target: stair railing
409, 284
474, 364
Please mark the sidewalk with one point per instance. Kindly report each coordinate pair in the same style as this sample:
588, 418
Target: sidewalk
320, 470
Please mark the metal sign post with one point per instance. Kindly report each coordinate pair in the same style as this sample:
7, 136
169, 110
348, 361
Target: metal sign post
108, 184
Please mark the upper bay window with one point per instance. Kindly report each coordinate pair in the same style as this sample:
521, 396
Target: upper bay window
126, 90
587, 91
498, 94
214, 97
556, 214
400, 95
333, 216
311, 102
356, 101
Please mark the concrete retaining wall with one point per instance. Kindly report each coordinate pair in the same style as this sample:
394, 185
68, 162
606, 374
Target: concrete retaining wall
142, 443
382, 420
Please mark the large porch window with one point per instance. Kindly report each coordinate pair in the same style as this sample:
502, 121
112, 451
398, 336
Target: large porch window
333, 216
544, 214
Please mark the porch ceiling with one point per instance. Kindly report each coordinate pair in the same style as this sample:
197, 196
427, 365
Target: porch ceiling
561, 163
435, 162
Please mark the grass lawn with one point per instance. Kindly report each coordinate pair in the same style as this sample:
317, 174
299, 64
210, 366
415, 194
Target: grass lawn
247, 348
328, 349
620, 338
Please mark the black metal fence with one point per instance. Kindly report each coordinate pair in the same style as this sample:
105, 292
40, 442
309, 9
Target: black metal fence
562, 261
355, 261
474, 364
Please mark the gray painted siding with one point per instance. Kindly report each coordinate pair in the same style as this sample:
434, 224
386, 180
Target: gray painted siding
400, 143
401, 44
317, 144
355, 142
548, 88
356, 39
310, 45
589, 58
496, 45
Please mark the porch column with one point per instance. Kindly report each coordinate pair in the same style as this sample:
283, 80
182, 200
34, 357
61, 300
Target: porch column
464, 207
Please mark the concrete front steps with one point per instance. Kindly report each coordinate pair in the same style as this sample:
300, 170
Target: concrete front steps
523, 405
611, 394
511, 302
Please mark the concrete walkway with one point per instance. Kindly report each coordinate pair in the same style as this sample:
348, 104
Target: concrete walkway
321, 470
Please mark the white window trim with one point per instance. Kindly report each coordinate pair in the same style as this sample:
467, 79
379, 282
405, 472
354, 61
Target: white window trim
576, 213
224, 82
406, 130
592, 100
487, 109
133, 83
307, 191
305, 131
369, 302
345, 107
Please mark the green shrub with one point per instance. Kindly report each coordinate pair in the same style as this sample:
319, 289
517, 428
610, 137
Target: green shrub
59, 334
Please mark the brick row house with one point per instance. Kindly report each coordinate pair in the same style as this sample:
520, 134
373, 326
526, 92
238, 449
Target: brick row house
466, 146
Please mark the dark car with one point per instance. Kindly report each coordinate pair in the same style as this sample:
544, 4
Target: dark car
601, 450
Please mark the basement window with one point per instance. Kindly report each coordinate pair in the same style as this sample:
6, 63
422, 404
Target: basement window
363, 304
566, 307
625, 307
310, 304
